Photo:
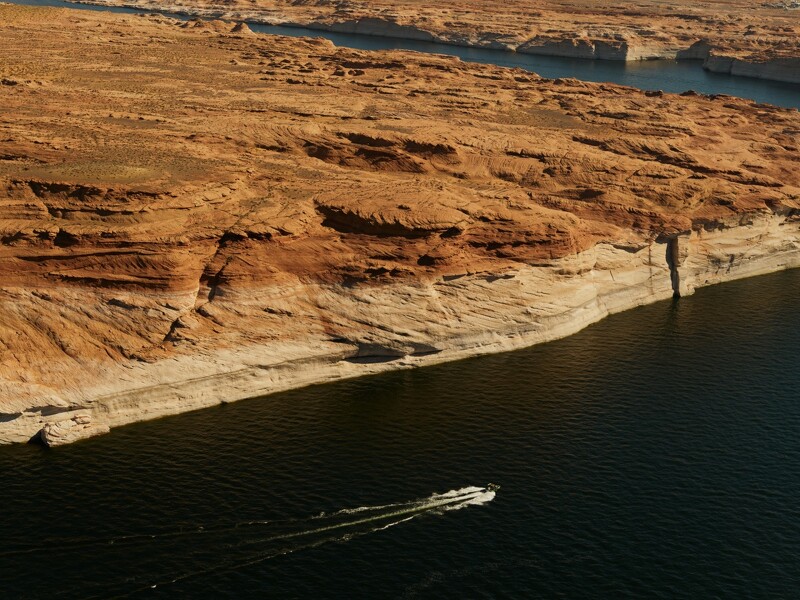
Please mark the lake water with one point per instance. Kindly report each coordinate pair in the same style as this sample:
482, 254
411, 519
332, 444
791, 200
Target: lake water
653, 455
669, 76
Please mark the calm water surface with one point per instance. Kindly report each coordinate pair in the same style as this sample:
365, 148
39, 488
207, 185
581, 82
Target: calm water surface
670, 76
653, 455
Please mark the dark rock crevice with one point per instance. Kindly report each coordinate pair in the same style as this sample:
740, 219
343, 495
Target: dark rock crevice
673, 261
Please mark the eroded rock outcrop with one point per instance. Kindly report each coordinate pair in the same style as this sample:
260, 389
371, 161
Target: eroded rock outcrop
68, 431
195, 215
779, 68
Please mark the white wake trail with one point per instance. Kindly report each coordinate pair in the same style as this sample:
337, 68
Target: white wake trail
342, 525
454, 499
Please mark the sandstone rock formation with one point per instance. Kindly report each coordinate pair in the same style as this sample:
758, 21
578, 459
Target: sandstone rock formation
733, 36
191, 215
778, 68
68, 431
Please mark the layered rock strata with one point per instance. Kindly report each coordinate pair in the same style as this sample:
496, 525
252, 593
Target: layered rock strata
191, 215
784, 68
732, 36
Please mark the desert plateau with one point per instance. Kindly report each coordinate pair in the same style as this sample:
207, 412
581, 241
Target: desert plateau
193, 214
753, 39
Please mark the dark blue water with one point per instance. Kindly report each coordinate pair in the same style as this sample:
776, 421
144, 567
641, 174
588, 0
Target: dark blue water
653, 455
669, 76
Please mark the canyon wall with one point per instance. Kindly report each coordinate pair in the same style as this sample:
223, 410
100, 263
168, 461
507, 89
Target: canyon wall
422, 323
191, 214
777, 69
619, 49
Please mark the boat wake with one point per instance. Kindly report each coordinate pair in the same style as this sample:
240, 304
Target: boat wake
202, 551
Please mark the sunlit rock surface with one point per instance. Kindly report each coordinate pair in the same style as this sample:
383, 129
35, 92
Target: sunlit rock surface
192, 215
760, 39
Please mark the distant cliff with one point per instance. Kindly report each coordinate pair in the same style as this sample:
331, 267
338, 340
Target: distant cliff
762, 40
777, 69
